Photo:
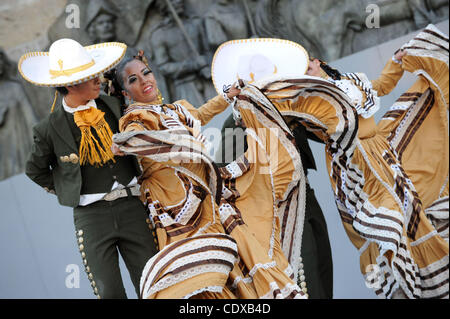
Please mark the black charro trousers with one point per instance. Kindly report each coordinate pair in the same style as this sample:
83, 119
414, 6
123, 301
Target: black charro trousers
106, 228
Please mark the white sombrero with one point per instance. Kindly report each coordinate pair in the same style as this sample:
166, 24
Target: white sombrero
257, 59
69, 63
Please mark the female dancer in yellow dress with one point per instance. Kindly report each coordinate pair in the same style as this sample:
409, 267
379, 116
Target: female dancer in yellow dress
390, 181
206, 250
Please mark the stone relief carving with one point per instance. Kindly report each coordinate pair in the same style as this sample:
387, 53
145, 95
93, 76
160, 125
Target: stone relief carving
179, 49
332, 29
17, 118
180, 43
101, 21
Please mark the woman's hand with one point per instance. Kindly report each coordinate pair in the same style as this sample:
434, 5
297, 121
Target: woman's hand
399, 54
116, 151
234, 91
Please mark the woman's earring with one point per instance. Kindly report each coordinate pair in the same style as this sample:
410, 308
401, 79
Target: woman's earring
128, 100
160, 97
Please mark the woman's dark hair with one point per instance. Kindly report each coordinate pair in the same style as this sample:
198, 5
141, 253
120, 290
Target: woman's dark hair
115, 76
331, 72
62, 90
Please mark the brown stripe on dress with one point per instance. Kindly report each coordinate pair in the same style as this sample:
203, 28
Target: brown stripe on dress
383, 284
231, 223
413, 47
354, 171
435, 273
353, 181
437, 286
168, 149
266, 114
346, 124
392, 114
406, 271
383, 216
337, 178
310, 126
179, 229
292, 237
442, 228
418, 94
243, 164
155, 150
344, 114
275, 293
232, 203
245, 161
157, 141
154, 140
298, 83
186, 266
294, 293
343, 110
403, 275
218, 178
286, 211
441, 296
369, 214
176, 244
234, 193
139, 136
345, 216
380, 238
225, 173
406, 259
415, 124
388, 158
415, 218
200, 263
230, 184
399, 188
351, 202
236, 220
407, 99
322, 85
432, 43
438, 202
176, 209
324, 89
437, 35
379, 227
197, 191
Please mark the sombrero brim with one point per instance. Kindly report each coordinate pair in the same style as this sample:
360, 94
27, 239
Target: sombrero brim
289, 59
35, 67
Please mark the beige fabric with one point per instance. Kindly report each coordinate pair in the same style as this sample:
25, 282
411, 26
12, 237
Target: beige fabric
184, 208
391, 181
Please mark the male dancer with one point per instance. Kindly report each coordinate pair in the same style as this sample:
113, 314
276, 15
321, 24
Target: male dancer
71, 157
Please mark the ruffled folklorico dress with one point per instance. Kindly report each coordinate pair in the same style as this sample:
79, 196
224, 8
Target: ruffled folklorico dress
390, 180
208, 247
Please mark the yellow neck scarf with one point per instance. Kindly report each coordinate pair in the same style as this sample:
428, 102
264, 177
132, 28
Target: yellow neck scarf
92, 151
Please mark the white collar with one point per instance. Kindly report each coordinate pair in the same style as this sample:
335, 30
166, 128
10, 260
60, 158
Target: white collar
72, 110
